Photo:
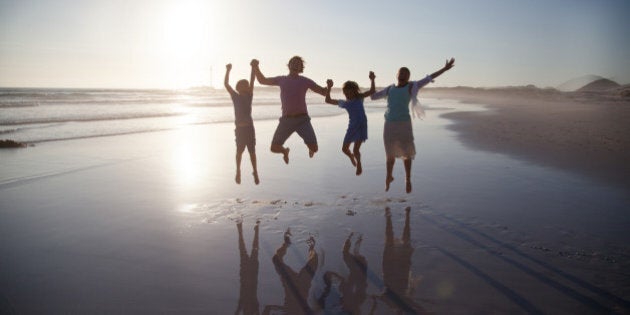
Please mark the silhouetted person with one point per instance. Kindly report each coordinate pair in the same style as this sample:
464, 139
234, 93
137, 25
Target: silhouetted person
357, 131
293, 88
396, 269
397, 132
248, 298
353, 288
244, 131
296, 284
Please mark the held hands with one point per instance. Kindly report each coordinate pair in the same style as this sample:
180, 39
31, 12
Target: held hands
372, 76
329, 83
254, 63
449, 64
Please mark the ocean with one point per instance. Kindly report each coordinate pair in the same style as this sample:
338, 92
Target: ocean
39, 115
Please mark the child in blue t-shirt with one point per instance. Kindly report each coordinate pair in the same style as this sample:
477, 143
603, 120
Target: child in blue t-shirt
357, 127
244, 131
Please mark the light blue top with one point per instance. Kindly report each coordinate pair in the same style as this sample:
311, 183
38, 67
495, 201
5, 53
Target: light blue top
398, 99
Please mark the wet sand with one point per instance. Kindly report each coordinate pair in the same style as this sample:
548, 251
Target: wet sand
154, 223
588, 133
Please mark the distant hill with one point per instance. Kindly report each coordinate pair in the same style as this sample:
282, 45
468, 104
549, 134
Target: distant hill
599, 85
577, 83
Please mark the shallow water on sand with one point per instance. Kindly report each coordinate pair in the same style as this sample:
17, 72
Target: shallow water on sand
154, 223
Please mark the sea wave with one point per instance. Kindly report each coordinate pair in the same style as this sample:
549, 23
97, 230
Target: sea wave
121, 116
41, 115
17, 103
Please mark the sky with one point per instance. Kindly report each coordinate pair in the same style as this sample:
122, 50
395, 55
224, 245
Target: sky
184, 43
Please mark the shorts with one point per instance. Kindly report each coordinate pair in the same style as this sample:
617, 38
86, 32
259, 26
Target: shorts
288, 125
246, 137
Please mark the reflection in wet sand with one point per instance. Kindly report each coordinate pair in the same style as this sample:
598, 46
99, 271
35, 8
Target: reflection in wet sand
296, 284
397, 293
353, 288
248, 298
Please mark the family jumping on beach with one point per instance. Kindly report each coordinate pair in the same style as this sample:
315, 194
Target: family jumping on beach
397, 133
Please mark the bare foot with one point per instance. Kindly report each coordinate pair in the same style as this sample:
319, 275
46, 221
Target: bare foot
359, 169
287, 236
311, 243
388, 181
256, 180
238, 177
311, 153
285, 156
408, 188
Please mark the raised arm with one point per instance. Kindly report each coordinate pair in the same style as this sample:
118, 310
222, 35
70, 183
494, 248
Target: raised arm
449, 64
226, 81
330, 101
261, 77
372, 86
252, 78
318, 89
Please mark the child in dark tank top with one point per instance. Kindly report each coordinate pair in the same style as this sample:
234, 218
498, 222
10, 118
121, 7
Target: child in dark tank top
244, 131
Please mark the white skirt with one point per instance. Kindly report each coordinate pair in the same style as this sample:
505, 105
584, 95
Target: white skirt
398, 139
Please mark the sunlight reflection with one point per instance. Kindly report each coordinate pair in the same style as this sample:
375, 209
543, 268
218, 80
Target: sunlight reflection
187, 160
200, 157
188, 208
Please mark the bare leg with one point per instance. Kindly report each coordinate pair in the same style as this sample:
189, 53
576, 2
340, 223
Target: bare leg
345, 148
277, 148
389, 229
347, 244
408, 174
406, 237
357, 156
357, 244
390, 167
239, 155
252, 157
308, 271
241, 241
312, 148
254, 254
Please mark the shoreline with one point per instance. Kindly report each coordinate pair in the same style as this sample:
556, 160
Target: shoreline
584, 133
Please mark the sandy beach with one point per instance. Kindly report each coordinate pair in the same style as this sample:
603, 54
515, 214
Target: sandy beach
584, 132
154, 222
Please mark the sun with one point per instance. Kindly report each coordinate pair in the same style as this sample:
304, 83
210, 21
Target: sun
185, 43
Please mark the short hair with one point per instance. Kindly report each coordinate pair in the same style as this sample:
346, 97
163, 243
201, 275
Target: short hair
351, 85
294, 60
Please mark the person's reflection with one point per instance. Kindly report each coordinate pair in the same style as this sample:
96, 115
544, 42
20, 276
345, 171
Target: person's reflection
296, 284
396, 269
248, 299
354, 286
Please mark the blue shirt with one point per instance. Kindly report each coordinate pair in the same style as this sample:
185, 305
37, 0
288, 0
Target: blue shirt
355, 110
